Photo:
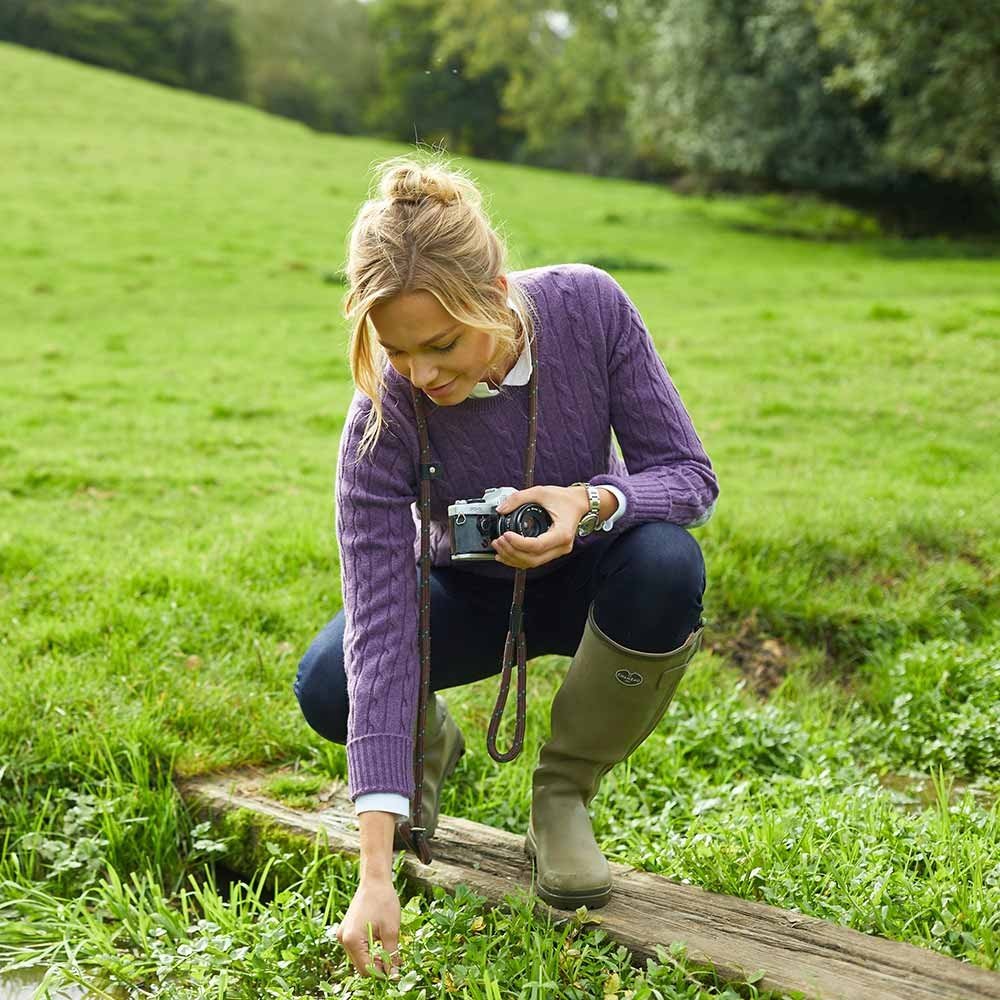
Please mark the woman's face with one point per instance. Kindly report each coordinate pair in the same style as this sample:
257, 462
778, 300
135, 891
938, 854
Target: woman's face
428, 347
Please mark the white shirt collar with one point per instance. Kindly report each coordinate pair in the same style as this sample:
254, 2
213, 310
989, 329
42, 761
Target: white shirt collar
520, 374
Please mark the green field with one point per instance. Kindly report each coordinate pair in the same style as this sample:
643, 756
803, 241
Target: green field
174, 381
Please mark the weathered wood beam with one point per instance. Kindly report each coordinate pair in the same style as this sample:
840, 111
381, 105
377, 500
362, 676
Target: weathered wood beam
735, 936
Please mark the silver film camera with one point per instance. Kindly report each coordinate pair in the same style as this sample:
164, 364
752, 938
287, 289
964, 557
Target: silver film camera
473, 524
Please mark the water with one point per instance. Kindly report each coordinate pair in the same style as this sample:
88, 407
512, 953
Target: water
22, 985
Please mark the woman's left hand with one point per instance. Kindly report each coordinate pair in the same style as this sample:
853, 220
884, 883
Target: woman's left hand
564, 504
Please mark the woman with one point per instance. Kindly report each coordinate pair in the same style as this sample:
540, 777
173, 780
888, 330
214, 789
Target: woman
616, 581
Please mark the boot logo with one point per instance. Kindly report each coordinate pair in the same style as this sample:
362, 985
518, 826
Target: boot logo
628, 677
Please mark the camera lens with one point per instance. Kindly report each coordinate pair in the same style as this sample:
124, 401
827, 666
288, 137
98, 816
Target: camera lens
530, 520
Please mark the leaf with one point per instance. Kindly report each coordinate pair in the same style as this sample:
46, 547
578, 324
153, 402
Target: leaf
408, 981
583, 916
410, 914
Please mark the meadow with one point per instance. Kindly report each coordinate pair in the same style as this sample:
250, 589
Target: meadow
174, 382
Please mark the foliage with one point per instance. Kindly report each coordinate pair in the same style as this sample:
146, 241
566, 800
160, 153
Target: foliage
564, 71
891, 108
184, 43
427, 93
310, 60
934, 70
736, 89
940, 702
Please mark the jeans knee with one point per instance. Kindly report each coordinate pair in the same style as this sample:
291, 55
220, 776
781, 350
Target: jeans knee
665, 558
650, 598
321, 697
298, 685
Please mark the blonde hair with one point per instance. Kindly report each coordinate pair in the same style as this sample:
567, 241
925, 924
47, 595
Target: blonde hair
423, 227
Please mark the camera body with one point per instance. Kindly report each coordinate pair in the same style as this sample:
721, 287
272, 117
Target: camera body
474, 524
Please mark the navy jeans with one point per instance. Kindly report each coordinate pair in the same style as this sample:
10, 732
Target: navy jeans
646, 584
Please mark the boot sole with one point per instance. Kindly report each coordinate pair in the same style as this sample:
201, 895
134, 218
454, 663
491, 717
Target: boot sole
561, 898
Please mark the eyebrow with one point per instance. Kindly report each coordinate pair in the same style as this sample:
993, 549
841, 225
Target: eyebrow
430, 340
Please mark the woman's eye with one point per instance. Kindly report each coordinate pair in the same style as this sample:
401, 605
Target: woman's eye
448, 347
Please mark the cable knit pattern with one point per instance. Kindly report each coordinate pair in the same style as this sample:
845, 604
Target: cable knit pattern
597, 369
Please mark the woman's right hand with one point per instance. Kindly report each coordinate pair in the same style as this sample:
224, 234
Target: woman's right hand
375, 902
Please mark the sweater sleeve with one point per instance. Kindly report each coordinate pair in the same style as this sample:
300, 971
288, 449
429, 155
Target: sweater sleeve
376, 535
670, 477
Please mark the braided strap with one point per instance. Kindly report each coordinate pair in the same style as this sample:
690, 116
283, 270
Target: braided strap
515, 639
412, 832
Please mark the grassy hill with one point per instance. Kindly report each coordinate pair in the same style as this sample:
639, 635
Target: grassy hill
174, 380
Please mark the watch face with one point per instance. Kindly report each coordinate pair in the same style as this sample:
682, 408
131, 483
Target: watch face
587, 524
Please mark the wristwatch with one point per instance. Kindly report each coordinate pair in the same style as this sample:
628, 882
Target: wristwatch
590, 521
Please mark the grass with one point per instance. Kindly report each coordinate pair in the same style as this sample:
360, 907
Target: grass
174, 381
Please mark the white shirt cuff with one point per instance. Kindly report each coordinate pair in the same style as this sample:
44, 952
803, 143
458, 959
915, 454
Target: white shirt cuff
610, 522
704, 517
391, 802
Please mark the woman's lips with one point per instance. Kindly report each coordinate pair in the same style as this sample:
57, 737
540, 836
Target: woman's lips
443, 389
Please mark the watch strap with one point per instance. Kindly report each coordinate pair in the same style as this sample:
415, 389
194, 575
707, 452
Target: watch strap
591, 521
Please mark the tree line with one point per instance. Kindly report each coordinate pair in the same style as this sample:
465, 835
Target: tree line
893, 105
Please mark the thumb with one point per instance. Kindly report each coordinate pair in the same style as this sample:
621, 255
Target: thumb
514, 500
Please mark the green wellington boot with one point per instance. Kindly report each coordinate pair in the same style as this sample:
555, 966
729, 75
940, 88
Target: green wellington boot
443, 748
610, 700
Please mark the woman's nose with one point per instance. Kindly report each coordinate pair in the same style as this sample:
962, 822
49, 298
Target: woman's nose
423, 376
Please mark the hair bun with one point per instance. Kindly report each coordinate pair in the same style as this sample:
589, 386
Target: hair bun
405, 180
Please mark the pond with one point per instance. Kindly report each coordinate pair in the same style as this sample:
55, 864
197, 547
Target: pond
23, 984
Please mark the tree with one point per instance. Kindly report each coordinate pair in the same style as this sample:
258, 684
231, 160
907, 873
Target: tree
565, 73
312, 60
209, 55
735, 89
933, 67
184, 43
428, 94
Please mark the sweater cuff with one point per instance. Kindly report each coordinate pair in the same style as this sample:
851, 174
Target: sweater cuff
645, 500
380, 762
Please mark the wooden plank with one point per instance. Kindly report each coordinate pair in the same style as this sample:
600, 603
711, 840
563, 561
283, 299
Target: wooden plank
735, 936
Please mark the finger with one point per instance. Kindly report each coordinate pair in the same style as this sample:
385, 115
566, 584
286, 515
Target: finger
521, 543
386, 960
540, 545
360, 958
392, 949
508, 555
389, 958
370, 952
378, 962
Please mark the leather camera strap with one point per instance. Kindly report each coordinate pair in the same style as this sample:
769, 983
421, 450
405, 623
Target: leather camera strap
413, 831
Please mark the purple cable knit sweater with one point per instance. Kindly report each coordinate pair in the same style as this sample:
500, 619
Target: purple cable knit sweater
598, 369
